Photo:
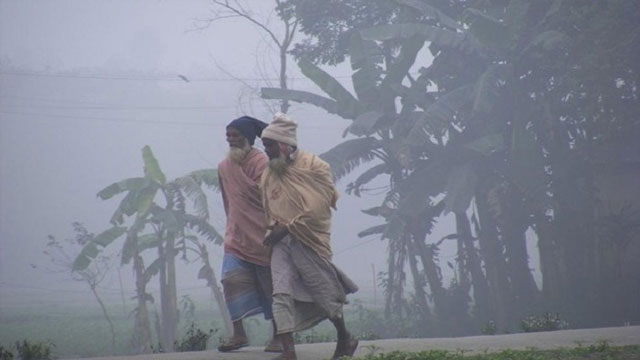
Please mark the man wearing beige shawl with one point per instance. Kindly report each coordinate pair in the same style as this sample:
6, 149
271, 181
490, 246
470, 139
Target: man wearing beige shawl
298, 194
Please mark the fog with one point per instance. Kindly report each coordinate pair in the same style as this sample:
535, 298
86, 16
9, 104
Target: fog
500, 142
85, 85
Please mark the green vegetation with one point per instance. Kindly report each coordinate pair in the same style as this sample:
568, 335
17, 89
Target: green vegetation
522, 124
546, 322
601, 351
34, 350
153, 216
516, 118
86, 334
194, 339
5, 354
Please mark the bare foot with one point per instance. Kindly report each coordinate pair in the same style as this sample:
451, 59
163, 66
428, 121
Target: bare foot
347, 349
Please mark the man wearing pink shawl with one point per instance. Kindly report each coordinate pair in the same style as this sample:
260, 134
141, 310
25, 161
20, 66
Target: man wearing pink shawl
246, 276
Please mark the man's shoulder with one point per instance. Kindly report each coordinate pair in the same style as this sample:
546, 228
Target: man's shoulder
223, 164
257, 156
311, 160
254, 157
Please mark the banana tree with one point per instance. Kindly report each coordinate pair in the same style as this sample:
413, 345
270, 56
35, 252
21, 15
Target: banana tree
515, 103
446, 126
164, 228
382, 128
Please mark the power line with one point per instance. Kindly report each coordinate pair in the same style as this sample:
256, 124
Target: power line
355, 246
115, 77
176, 78
166, 122
123, 107
128, 120
76, 104
70, 291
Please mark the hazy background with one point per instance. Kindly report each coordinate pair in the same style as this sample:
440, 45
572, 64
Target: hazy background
84, 85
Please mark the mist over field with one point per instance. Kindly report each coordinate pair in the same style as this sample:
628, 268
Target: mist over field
116, 89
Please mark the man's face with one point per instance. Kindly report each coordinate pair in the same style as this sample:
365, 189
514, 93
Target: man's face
272, 148
235, 138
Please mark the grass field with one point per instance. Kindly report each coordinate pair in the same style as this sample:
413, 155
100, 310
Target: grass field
81, 331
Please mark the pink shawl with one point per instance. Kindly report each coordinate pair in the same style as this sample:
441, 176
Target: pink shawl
246, 222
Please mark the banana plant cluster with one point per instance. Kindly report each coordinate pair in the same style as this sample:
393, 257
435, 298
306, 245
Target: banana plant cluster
467, 135
153, 215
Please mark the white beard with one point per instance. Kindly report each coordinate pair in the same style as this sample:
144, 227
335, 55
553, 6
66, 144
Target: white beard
279, 165
237, 155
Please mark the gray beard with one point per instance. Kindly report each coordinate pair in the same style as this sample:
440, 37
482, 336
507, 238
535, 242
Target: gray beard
237, 155
279, 165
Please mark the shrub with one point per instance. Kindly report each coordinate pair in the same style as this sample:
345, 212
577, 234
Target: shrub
546, 322
5, 354
489, 328
34, 351
195, 339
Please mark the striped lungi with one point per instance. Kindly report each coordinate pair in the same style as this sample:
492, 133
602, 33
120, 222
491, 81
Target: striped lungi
247, 288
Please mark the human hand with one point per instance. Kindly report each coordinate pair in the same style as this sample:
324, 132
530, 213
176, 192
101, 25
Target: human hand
278, 232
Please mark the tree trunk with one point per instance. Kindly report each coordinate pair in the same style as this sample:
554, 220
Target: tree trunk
142, 325
162, 276
418, 285
491, 250
170, 322
390, 283
168, 296
513, 222
524, 287
284, 105
479, 281
397, 297
434, 279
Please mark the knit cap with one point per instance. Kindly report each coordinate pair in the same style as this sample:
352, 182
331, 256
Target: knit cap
282, 129
249, 127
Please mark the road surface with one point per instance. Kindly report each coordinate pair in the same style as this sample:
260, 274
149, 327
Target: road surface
628, 335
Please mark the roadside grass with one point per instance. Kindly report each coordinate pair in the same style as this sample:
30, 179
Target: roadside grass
601, 351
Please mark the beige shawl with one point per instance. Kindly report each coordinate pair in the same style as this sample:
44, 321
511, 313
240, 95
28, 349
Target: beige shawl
301, 199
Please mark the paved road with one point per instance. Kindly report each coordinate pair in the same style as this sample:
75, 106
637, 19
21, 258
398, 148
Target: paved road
628, 335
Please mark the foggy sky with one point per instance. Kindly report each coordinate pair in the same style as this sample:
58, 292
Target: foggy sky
63, 138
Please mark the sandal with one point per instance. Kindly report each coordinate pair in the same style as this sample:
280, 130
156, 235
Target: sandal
273, 346
231, 345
